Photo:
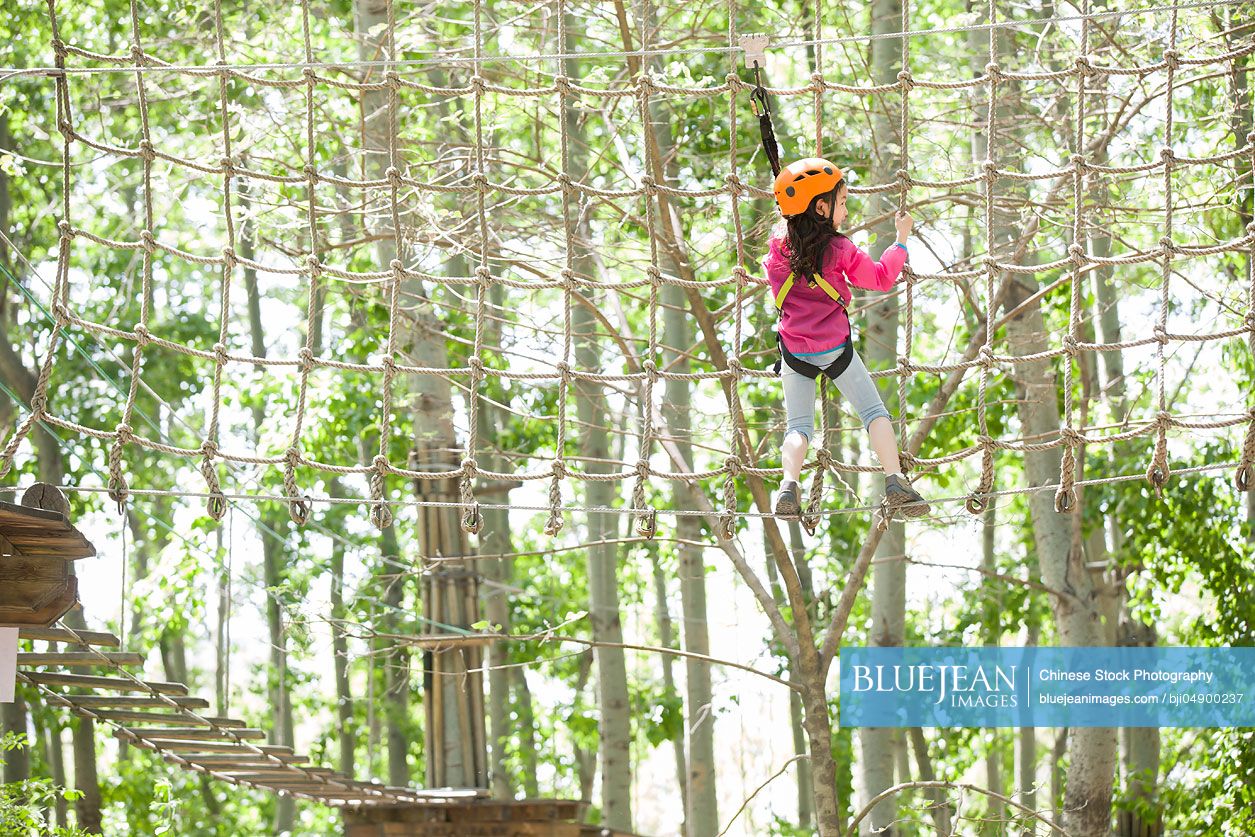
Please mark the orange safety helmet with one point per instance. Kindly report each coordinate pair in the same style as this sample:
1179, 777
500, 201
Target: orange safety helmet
802, 181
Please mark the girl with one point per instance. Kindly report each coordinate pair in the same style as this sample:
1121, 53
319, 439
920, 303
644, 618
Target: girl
810, 266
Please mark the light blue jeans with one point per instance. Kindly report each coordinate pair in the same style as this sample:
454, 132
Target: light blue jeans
855, 383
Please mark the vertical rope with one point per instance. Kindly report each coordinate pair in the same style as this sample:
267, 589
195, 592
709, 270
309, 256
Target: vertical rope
471, 520
60, 292
1073, 450
554, 524
217, 504
1244, 476
646, 518
817, 79
978, 502
1159, 471
123, 434
298, 505
905, 83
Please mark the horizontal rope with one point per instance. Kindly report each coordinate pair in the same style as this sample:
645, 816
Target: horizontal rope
453, 59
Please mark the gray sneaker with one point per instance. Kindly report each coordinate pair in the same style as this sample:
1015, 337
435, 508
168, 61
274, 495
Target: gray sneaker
789, 501
899, 495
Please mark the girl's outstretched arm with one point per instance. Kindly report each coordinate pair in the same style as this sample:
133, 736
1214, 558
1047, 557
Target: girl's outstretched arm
861, 271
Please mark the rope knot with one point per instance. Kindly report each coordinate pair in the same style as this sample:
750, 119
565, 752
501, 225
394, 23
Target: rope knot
58, 49
904, 176
147, 152
733, 80
566, 182
147, 240
476, 365
311, 173
735, 187
1167, 154
651, 368
309, 75
313, 266
562, 84
220, 354
986, 357
1083, 65
229, 259
817, 82
1070, 436
305, 358
736, 368
649, 185
142, 335
228, 167
478, 84
990, 170
559, 469
1171, 59
137, 55
393, 80
566, 278
1080, 162
654, 274
1071, 346
564, 369
908, 462
65, 228
393, 176
645, 85
1168, 245
124, 433
733, 465
1244, 478
1160, 335
62, 315
1250, 228
905, 367
905, 80
380, 463
480, 179
742, 275
1077, 253
993, 71
1163, 419
483, 276
469, 467
823, 458
397, 268
209, 449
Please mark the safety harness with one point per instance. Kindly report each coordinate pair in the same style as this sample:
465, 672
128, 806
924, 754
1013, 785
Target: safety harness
810, 370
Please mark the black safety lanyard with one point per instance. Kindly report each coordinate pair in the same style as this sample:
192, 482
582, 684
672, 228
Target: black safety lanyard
762, 109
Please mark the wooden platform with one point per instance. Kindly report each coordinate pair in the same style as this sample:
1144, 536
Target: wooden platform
470, 818
37, 546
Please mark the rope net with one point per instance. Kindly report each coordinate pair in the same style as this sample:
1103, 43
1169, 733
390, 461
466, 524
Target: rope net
423, 253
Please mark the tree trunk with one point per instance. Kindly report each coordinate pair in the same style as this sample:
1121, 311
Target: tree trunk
270, 524
345, 726
17, 767
526, 726
701, 811
1026, 745
667, 662
592, 409
1091, 767
878, 346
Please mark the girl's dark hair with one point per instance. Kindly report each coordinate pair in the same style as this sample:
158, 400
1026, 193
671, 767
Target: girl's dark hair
809, 234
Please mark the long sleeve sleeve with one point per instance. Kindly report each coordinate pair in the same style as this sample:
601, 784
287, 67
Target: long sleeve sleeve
861, 271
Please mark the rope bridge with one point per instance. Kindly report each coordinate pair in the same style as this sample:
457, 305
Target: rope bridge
313, 261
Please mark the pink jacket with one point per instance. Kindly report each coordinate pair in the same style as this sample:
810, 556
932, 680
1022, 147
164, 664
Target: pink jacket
810, 322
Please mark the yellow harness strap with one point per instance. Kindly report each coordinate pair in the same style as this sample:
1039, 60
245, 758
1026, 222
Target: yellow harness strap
819, 280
